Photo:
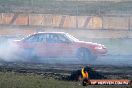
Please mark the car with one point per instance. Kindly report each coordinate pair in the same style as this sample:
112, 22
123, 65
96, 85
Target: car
59, 44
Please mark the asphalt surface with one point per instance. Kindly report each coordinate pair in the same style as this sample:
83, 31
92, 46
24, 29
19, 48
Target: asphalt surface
59, 71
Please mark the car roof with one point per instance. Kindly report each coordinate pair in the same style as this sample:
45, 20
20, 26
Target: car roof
45, 33
50, 33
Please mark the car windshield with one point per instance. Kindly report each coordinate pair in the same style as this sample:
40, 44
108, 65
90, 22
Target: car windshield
71, 38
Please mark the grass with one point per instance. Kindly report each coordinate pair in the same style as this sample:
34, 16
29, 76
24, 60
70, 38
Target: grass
19, 80
13, 80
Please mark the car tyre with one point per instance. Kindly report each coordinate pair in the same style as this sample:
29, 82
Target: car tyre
29, 55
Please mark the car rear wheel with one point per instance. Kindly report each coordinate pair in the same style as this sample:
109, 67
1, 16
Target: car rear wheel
29, 55
85, 55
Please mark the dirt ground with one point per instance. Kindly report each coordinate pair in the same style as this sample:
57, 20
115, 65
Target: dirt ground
59, 71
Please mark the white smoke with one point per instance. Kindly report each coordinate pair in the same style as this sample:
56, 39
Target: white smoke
9, 51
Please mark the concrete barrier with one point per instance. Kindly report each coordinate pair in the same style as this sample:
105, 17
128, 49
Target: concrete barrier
116, 23
66, 21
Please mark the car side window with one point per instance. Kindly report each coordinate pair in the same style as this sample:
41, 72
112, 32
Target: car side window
36, 38
56, 38
52, 38
62, 38
31, 38
42, 38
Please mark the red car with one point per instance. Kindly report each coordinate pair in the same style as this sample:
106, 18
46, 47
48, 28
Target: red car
59, 44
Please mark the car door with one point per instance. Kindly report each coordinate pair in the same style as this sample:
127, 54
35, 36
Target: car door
58, 46
41, 45
35, 44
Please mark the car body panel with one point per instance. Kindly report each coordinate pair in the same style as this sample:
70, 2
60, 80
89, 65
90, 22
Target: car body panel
65, 46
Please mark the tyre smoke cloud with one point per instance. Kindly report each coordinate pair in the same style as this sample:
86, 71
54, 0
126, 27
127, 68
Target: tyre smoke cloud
10, 52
